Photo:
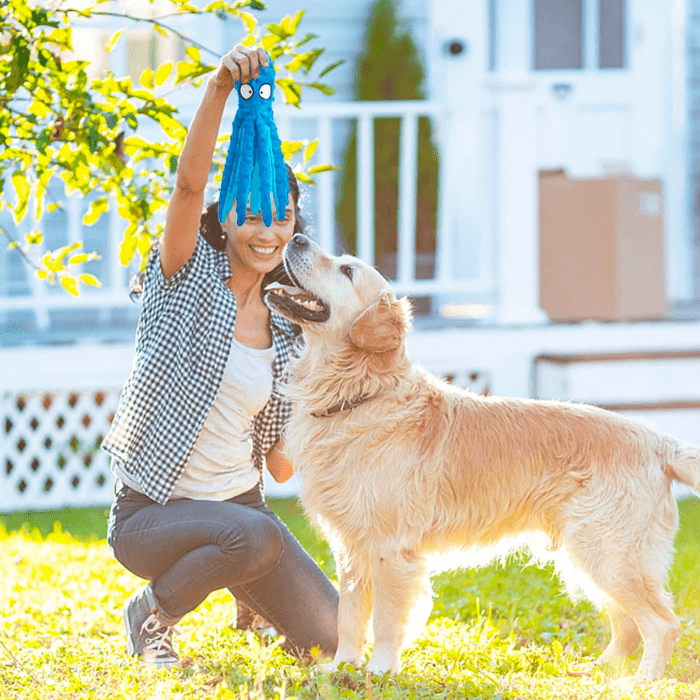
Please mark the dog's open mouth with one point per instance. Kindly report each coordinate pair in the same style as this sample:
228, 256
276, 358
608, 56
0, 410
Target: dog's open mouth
295, 302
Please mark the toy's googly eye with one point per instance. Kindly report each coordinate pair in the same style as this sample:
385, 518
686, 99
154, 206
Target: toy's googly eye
246, 91
265, 91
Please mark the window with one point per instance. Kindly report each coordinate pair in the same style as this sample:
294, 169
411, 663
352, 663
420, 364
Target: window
141, 53
558, 34
612, 34
96, 240
575, 34
14, 279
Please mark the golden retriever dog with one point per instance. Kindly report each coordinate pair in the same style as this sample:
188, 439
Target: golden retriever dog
399, 468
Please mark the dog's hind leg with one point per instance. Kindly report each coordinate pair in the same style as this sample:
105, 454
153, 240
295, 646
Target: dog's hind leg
625, 634
646, 603
402, 603
354, 613
632, 572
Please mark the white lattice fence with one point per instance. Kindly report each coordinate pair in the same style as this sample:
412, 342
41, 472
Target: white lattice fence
51, 449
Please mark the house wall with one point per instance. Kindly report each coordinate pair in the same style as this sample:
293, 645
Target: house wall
341, 28
693, 107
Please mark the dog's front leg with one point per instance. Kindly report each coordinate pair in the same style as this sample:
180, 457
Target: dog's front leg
402, 603
354, 612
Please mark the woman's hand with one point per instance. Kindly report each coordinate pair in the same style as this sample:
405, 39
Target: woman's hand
241, 63
277, 463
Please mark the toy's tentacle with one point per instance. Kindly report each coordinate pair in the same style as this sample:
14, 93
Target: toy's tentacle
255, 188
262, 137
227, 193
281, 185
245, 169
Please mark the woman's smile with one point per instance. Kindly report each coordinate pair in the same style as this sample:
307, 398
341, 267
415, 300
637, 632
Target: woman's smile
260, 250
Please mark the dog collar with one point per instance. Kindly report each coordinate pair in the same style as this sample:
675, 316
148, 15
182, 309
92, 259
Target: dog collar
345, 406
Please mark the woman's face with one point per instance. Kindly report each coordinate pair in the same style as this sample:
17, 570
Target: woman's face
256, 246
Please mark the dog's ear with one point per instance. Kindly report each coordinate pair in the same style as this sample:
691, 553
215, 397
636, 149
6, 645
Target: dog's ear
382, 326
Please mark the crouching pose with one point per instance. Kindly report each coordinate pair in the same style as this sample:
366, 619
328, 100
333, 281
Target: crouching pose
201, 414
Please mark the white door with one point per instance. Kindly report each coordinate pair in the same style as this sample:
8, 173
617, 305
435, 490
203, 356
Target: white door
606, 80
596, 77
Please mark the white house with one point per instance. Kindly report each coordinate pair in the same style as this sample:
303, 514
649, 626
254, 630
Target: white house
516, 87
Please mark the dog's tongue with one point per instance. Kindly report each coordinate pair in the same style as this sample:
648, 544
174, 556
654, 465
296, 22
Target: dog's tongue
287, 288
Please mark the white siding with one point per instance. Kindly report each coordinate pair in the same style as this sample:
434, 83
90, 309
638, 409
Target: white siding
693, 84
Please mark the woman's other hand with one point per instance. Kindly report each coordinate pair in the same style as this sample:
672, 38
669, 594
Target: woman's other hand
241, 63
277, 463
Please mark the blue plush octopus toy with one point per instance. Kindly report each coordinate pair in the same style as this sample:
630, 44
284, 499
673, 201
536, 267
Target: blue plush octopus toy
255, 165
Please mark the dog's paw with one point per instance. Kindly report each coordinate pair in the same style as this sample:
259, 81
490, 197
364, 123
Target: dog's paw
381, 666
335, 665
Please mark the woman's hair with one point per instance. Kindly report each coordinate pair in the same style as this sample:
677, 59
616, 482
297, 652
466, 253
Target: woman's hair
210, 226
212, 231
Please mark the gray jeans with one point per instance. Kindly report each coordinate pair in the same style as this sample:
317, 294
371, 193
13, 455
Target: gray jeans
189, 548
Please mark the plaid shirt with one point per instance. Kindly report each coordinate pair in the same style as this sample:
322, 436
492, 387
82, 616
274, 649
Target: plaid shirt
183, 341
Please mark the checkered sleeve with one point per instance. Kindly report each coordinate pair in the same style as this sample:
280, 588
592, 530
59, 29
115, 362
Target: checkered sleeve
269, 423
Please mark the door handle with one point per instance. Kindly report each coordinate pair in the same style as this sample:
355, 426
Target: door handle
562, 90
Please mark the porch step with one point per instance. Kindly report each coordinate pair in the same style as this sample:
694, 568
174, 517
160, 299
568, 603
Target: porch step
621, 381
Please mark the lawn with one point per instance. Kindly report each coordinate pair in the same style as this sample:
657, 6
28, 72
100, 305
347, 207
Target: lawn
498, 632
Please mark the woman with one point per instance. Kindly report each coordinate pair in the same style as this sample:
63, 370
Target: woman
200, 413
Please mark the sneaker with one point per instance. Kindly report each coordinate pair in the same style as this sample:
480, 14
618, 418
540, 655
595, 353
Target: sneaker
147, 634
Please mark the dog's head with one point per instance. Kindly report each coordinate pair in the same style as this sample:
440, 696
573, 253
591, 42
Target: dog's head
339, 297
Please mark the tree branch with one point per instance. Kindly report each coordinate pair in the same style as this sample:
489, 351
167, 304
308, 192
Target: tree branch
156, 23
19, 249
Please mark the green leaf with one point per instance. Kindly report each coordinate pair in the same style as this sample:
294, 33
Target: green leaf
97, 207
163, 73
276, 29
51, 263
93, 138
146, 79
321, 169
291, 148
34, 238
306, 39
325, 89
59, 255
310, 150
109, 44
291, 90
295, 21
305, 178
304, 60
269, 41
249, 21
184, 70
112, 120
79, 259
328, 69
70, 285
21, 185
193, 53
90, 280
160, 30
43, 140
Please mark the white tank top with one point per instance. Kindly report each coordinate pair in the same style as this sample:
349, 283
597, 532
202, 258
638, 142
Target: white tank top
220, 465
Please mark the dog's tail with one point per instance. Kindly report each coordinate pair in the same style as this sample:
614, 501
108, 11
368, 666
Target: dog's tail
684, 465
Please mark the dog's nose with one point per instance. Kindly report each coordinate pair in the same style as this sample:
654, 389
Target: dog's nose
299, 239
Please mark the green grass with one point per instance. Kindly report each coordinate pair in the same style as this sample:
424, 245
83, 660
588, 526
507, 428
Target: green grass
498, 632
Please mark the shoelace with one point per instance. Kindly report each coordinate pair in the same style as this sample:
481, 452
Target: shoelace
159, 641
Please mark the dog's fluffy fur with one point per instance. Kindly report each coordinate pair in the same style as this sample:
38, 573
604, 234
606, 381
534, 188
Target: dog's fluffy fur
421, 468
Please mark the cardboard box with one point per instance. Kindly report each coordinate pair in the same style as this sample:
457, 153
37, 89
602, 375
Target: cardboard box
601, 251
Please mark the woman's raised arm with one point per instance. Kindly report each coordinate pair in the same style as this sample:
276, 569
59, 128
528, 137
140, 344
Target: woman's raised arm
185, 208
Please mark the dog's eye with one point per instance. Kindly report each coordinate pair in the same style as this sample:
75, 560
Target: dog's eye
348, 271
